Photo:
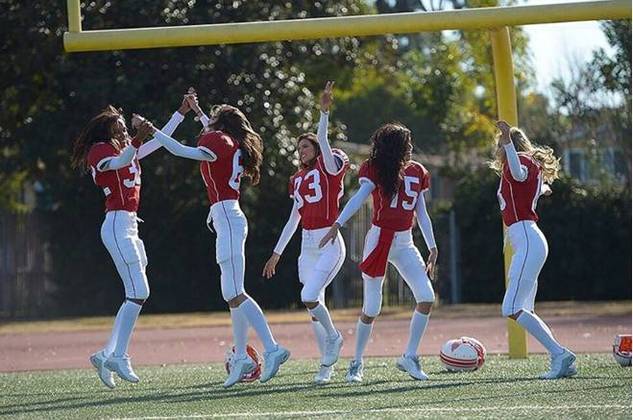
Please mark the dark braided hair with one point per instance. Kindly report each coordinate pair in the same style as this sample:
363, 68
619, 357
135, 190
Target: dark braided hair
102, 128
390, 153
232, 121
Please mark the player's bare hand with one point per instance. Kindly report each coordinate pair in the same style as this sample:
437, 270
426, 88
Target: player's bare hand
271, 265
192, 99
330, 236
143, 130
504, 127
327, 97
431, 263
184, 106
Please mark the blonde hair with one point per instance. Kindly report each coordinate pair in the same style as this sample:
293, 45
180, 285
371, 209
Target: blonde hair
544, 155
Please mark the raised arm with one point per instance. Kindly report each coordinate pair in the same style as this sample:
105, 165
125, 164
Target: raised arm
143, 130
332, 164
179, 149
518, 171
151, 146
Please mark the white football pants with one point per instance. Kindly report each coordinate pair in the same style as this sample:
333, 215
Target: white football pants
119, 233
407, 259
231, 227
318, 266
530, 252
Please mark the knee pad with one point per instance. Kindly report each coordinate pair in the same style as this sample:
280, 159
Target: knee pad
309, 293
508, 309
372, 297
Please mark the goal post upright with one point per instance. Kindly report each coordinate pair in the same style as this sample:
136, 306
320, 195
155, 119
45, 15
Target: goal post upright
507, 110
74, 15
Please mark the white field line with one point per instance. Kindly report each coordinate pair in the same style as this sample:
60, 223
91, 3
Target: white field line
387, 410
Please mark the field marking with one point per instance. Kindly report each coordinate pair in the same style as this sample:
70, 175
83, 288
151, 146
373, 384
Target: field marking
380, 410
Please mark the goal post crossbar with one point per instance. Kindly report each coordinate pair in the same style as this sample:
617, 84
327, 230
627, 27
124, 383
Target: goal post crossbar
77, 40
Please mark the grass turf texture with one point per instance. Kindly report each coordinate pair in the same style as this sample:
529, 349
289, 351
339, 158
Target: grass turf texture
501, 389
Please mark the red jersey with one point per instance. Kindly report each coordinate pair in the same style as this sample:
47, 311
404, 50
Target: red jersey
222, 176
518, 199
318, 193
396, 213
122, 187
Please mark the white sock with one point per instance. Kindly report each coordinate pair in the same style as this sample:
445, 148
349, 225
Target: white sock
321, 313
109, 348
534, 325
320, 335
416, 331
257, 320
129, 314
240, 332
363, 331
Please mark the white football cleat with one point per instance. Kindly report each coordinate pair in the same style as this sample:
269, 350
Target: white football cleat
122, 367
272, 361
355, 372
411, 365
324, 375
561, 365
98, 359
240, 368
332, 350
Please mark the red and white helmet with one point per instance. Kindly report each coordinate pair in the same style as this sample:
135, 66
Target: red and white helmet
622, 349
463, 354
253, 354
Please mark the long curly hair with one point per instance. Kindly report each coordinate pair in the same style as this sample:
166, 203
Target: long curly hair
544, 155
232, 121
101, 128
390, 153
312, 138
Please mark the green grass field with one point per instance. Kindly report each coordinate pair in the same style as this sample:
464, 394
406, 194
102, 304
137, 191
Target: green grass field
502, 389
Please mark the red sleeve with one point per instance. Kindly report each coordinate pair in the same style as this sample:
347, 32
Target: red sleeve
217, 143
425, 178
366, 171
98, 152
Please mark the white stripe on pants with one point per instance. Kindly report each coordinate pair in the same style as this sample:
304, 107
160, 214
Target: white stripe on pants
231, 228
530, 252
119, 233
318, 266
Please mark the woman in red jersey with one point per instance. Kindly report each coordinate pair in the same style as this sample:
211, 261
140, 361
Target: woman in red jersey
105, 148
522, 183
228, 149
397, 185
316, 190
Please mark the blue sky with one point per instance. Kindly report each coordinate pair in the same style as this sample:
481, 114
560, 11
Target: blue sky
554, 45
